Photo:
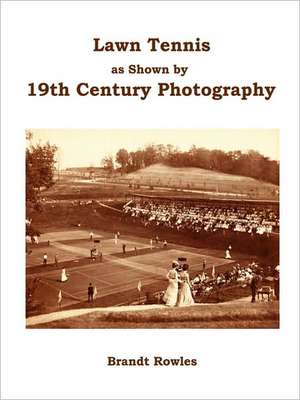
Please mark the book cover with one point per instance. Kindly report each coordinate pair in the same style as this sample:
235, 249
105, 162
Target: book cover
150, 199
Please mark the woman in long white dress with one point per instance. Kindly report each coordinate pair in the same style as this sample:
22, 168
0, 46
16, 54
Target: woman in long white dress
63, 275
170, 296
185, 297
227, 254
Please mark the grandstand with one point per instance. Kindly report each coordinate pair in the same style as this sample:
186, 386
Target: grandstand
257, 217
253, 226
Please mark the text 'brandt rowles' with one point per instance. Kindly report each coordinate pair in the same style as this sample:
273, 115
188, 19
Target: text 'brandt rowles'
156, 361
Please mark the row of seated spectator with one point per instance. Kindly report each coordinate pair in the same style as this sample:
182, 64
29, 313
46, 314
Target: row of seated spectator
203, 283
236, 274
179, 216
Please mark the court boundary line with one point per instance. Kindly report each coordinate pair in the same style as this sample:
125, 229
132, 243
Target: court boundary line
62, 290
108, 291
95, 279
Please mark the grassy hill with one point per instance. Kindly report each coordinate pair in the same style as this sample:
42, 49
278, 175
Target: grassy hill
231, 315
160, 180
189, 178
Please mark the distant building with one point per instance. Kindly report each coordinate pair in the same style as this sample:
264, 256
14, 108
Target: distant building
86, 172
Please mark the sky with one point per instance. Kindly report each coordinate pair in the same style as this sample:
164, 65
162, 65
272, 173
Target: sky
87, 147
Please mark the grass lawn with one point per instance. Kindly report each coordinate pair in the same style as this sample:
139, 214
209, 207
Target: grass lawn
242, 315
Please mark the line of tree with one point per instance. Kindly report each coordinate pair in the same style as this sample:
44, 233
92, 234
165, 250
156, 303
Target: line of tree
250, 163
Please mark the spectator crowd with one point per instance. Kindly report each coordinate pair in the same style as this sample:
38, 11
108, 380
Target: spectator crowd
180, 216
204, 284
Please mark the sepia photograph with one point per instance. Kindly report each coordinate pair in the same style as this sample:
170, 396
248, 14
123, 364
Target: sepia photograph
152, 229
